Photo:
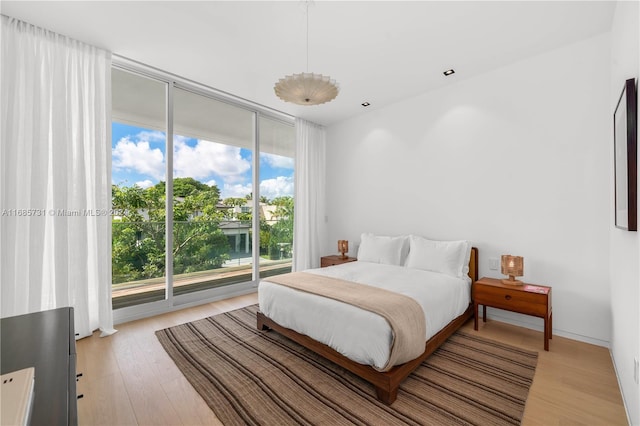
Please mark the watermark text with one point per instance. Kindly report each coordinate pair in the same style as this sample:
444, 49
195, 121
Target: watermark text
61, 212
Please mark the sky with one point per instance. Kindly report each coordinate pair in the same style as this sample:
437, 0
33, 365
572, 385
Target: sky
139, 158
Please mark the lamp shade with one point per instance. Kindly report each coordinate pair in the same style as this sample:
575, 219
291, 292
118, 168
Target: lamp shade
343, 247
306, 89
513, 266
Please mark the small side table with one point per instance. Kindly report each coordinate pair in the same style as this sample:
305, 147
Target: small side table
529, 299
335, 259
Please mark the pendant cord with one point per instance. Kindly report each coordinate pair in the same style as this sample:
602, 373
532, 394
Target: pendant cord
307, 36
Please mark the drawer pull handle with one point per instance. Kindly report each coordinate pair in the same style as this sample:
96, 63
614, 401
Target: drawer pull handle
507, 297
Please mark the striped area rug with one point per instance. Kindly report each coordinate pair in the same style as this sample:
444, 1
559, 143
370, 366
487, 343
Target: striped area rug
261, 378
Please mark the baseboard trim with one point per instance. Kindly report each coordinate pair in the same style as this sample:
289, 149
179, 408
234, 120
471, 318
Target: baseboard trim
556, 332
624, 400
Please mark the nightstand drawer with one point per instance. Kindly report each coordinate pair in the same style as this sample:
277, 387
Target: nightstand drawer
335, 260
512, 300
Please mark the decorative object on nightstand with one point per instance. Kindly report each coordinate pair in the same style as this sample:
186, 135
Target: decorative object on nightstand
343, 247
513, 266
528, 299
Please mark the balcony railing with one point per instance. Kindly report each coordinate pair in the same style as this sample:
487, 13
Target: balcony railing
204, 256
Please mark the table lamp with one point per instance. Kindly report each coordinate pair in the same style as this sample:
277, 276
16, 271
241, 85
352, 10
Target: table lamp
513, 266
343, 247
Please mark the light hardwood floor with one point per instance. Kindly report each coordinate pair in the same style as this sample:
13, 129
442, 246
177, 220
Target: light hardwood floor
128, 378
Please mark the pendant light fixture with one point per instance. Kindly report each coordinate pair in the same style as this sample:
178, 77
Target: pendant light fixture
307, 88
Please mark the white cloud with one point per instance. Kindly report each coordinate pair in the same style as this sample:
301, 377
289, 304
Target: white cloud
235, 191
145, 184
207, 158
278, 187
211, 182
277, 161
138, 157
151, 136
270, 188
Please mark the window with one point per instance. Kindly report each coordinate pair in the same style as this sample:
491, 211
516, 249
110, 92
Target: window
138, 191
277, 154
212, 182
214, 234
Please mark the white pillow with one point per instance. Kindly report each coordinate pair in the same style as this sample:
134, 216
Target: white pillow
381, 249
467, 259
447, 257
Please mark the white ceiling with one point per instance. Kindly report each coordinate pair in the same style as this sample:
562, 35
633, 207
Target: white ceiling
378, 51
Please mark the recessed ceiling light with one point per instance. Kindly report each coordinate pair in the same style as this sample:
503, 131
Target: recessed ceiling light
365, 104
448, 72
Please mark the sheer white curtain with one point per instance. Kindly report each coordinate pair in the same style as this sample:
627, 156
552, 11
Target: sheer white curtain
55, 231
308, 227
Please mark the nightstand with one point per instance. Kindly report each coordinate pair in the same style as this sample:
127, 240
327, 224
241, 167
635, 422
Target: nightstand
335, 259
529, 299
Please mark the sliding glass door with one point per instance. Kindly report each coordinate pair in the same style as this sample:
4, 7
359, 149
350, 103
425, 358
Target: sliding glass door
138, 189
212, 185
230, 216
277, 155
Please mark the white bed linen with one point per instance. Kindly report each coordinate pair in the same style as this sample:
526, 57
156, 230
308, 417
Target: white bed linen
361, 335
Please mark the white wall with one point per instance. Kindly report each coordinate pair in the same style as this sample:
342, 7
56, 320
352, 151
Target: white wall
515, 160
624, 277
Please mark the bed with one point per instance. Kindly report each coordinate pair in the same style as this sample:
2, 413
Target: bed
365, 342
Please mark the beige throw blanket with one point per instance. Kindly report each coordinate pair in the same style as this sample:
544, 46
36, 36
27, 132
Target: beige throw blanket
404, 314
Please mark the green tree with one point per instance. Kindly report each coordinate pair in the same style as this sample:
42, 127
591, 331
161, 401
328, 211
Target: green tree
183, 187
281, 232
285, 207
138, 248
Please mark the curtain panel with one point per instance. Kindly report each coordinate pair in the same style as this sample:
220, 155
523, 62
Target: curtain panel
308, 226
55, 178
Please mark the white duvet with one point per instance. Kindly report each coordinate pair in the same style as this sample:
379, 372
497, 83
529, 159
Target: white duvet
361, 335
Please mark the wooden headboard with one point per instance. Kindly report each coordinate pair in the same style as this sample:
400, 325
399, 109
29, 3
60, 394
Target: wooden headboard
473, 264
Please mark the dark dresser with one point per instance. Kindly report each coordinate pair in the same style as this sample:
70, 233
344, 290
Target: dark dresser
44, 340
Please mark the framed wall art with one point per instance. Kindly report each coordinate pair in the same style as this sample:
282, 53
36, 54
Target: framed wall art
625, 122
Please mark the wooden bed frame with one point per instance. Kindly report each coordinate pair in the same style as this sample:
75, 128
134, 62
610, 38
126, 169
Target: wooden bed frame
386, 383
